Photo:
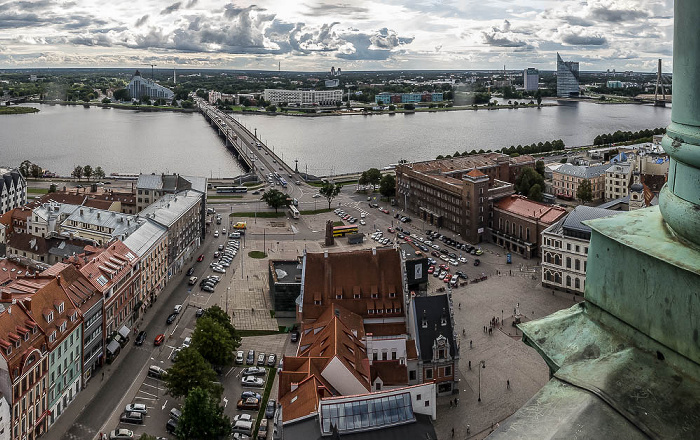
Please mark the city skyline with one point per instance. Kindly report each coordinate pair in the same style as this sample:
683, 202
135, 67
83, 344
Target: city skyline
313, 36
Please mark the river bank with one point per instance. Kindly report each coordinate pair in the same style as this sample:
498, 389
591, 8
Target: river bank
143, 108
17, 110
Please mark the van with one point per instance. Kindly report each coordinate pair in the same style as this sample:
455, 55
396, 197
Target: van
243, 427
175, 414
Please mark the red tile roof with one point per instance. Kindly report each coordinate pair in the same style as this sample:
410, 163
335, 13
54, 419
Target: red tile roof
524, 207
304, 400
476, 173
105, 269
13, 321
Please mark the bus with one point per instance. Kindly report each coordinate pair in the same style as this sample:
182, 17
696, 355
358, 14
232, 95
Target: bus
294, 212
341, 231
231, 189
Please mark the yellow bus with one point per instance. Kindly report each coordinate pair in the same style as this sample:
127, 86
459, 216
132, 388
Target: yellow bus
342, 231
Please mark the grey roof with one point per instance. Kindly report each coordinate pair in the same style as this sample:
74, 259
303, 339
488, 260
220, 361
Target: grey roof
612, 203
581, 213
198, 183
169, 208
141, 240
64, 249
623, 167
288, 271
119, 223
149, 181
432, 309
582, 171
310, 429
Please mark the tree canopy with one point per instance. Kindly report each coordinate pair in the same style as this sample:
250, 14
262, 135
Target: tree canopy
213, 341
191, 370
219, 315
584, 192
370, 177
330, 191
528, 178
202, 417
275, 198
387, 186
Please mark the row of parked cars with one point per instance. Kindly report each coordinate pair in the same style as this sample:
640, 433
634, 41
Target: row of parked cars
349, 218
270, 360
225, 256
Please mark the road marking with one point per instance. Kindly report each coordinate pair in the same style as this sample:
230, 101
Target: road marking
225, 402
147, 393
154, 386
164, 405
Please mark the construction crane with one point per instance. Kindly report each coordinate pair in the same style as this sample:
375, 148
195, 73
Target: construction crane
152, 74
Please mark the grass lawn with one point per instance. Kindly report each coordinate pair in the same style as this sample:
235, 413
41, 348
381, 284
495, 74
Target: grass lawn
9, 110
37, 190
257, 254
338, 223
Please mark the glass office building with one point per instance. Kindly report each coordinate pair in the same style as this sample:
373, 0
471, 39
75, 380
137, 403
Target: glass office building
567, 78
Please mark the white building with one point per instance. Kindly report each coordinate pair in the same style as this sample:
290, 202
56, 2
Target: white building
617, 180
531, 79
565, 249
140, 87
13, 189
150, 243
303, 97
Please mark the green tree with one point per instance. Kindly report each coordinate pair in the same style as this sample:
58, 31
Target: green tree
527, 178
538, 97
271, 108
392, 107
52, 188
191, 370
409, 107
202, 418
121, 95
374, 176
275, 199
107, 101
77, 172
99, 173
25, 168
387, 186
584, 192
88, 172
539, 167
213, 341
330, 191
35, 171
535, 193
145, 436
222, 318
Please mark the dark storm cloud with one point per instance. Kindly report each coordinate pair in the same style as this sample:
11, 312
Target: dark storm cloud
617, 15
172, 8
141, 21
501, 40
584, 40
337, 9
13, 20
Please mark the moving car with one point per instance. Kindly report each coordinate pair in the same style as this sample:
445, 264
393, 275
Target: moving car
140, 338
177, 308
252, 381
159, 339
190, 271
171, 318
200, 258
192, 281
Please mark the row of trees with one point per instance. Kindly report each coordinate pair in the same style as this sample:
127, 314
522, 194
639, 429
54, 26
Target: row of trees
386, 182
214, 342
28, 169
534, 148
626, 136
87, 171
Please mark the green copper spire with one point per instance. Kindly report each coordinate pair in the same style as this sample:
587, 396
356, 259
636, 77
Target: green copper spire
680, 198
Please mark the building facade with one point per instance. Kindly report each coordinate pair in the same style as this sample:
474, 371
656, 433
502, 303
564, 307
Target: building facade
303, 97
566, 179
285, 285
140, 87
519, 222
531, 79
617, 180
567, 78
565, 249
150, 243
13, 189
405, 98
458, 194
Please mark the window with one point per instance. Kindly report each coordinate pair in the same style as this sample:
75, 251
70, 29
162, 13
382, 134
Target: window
568, 281
578, 264
427, 403
568, 246
568, 262
429, 373
448, 371
577, 283
418, 396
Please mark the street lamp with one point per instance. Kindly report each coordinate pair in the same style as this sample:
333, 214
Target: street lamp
482, 364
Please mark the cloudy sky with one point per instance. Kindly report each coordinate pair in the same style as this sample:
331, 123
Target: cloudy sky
351, 34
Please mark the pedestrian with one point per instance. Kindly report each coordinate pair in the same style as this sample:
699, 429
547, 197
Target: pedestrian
508, 384
455, 401
469, 429
103, 376
460, 306
453, 433
252, 310
470, 365
450, 403
470, 344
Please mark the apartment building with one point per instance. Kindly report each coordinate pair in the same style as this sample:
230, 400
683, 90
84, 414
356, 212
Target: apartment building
151, 187
617, 180
150, 243
303, 97
565, 249
13, 189
99, 225
566, 179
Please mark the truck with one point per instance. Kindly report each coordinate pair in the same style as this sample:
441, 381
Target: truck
240, 226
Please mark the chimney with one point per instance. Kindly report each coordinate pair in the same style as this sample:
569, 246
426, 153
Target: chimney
81, 211
325, 254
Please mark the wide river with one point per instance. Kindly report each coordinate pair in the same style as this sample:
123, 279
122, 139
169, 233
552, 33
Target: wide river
58, 137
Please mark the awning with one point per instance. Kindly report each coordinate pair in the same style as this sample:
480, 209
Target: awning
113, 347
124, 332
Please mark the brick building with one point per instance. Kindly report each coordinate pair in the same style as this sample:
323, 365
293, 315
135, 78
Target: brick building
457, 194
518, 223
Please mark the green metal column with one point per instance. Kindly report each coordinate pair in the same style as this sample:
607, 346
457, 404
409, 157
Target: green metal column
679, 200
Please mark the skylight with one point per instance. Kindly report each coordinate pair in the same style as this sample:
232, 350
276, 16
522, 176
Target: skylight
366, 414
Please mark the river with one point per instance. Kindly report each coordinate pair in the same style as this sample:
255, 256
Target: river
58, 137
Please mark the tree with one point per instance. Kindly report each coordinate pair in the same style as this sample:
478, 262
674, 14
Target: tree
330, 191
374, 176
409, 107
213, 341
191, 370
77, 172
87, 172
392, 107
222, 318
35, 171
387, 186
535, 193
25, 168
202, 418
275, 199
121, 94
145, 436
538, 97
584, 192
271, 108
52, 188
99, 173
539, 167
106, 101
527, 178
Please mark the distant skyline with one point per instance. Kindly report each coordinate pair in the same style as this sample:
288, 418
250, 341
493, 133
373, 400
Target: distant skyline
313, 35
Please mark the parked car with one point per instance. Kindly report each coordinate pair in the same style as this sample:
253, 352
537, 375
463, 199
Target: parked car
218, 269
271, 360
136, 407
192, 281
477, 261
132, 417
208, 288
159, 339
250, 359
171, 318
249, 403
199, 313
190, 271
254, 371
119, 434
175, 414
252, 381
171, 425
156, 371
248, 394
295, 336
245, 417
140, 338
262, 430
270, 409
261, 359
239, 357
187, 342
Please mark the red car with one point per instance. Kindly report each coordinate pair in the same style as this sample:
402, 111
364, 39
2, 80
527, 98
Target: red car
200, 258
447, 278
445, 267
431, 269
159, 339
385, 211
391, 230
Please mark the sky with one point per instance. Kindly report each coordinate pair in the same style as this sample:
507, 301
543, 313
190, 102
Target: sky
313, 35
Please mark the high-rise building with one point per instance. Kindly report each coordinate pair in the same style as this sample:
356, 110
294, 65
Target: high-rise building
140, 87
567, 78
531, 79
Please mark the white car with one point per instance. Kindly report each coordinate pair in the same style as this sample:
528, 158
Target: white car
216, 234
243, 418
315, 196
363, 215
453, 262
136, 407
218, 269
362, 222
177, 308
252, 381
121, 434
462, 260
186, 343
